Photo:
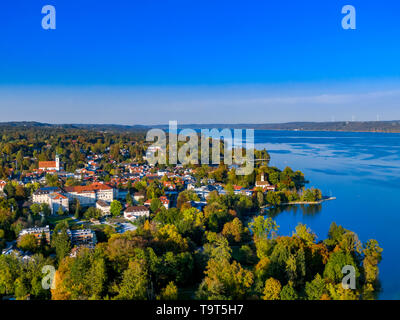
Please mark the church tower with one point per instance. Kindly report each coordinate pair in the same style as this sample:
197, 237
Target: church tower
57, 162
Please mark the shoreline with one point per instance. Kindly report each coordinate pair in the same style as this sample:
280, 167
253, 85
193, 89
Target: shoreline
299, 203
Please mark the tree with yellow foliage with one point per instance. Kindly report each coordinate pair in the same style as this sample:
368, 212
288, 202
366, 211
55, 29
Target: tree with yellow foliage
272, 289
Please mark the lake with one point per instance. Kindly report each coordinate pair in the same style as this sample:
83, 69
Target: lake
363, 171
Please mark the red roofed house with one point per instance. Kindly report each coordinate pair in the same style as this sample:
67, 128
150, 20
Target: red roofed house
164, 200
89, 195
57, 201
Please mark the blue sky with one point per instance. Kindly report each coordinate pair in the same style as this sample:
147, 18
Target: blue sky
195, 61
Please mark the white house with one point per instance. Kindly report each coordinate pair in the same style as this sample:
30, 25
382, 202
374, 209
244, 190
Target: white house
53, 196
103, 206
89, 195
134, 212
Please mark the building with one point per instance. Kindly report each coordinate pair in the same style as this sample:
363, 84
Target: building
138, 196
50, 165
83, 237
264, 184
204, 191
103, 206
41, 195
57, 201
164, 201
134, 212
37, 232
53, 196
87, 196
90, 194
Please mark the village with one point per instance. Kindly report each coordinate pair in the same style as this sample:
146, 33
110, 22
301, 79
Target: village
112, 202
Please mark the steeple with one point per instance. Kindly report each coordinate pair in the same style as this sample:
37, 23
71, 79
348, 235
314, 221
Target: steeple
57, 162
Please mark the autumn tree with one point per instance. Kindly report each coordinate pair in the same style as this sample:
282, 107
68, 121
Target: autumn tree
170, 292
225, 281
28, 242
235, 232
272, 289
372, 257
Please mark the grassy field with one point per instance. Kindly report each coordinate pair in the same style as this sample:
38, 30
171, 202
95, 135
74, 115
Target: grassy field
53, 220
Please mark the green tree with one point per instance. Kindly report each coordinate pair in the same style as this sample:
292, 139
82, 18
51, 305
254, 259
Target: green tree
77, 209
336, 262
28, 242
115, 208
134, 283
60, 211
288, 292
83, 277
93, 213
35, 208
9, 190
46, 209
273, 198
155, 204
316, 288
263, 227
305, 233
129, 199
61, 243
225, 281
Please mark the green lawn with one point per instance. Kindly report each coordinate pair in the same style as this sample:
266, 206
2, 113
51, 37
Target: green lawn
53, 220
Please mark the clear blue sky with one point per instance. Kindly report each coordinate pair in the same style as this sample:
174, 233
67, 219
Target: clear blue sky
199, 61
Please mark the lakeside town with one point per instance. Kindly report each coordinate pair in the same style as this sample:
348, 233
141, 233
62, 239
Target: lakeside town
89, 204
131, 207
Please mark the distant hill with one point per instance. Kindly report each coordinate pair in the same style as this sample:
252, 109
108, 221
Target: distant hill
98, 127
348, 126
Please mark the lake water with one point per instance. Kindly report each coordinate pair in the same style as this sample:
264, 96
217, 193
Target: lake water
363, 171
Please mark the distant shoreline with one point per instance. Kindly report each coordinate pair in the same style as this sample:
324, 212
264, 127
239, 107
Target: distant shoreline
340, 126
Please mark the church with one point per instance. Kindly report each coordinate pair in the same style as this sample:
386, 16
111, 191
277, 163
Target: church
50, 165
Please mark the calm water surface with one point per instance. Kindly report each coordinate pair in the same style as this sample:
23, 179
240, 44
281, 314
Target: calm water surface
363, 171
